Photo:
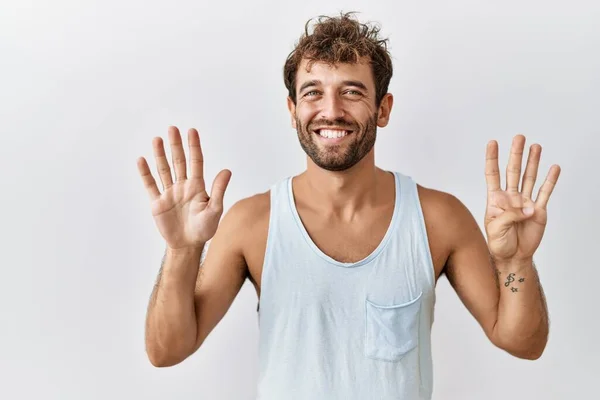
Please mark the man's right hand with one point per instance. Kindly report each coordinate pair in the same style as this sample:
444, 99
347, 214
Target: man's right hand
186, 216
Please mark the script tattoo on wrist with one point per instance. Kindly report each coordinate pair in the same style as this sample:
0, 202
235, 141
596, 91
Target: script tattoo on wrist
511, 279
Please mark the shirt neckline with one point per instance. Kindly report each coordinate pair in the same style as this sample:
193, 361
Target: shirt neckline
368, 258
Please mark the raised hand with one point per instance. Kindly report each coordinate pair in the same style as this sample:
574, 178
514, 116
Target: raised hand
514, 221
184, 213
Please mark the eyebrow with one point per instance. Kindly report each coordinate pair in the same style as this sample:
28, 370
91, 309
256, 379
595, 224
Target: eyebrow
312, 83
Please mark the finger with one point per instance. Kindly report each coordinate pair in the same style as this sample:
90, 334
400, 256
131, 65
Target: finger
505, 200
506, 220
501, 200
177, 154
196, 157
548, 187
531, 170
147, 178
217, 192
162, 165
513, 169
492, 171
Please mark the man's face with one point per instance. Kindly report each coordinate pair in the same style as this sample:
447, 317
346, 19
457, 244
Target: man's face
335, 113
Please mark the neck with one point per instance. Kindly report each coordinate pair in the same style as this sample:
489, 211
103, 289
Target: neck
342, 192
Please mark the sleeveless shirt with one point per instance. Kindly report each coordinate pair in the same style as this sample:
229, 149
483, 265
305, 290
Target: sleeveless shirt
332, 330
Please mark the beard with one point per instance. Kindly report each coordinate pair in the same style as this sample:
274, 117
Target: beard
338, 157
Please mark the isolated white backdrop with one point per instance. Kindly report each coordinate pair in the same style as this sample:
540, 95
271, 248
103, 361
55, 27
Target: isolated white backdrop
86, 85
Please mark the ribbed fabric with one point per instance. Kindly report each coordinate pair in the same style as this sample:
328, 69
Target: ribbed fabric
331, 330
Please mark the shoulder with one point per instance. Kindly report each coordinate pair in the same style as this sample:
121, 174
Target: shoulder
437, 202
446, 212
248, 211
243, 223
247, 220
249, 229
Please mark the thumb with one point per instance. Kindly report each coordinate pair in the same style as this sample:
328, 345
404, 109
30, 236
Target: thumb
510, 216
218, 190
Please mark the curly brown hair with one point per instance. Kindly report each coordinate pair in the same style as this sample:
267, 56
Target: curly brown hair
341, 39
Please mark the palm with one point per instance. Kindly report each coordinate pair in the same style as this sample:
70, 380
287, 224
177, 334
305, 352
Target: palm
184, 213
183, 208
511, 234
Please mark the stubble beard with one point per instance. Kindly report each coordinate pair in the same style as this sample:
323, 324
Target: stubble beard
341, 156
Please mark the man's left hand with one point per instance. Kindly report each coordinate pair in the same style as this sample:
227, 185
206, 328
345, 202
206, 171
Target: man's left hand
514, 222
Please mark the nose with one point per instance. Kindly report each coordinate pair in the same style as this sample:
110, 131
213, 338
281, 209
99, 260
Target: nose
332, 108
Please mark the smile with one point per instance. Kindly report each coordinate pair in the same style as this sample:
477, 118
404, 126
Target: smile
332, 133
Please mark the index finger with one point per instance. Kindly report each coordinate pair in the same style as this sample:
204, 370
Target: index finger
492, 170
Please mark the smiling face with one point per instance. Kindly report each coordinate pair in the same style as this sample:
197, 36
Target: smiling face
336, 115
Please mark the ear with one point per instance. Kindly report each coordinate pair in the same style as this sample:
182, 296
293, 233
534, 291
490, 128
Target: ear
385, 108
292, 110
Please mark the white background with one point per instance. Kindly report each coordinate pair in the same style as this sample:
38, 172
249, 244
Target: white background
86, 85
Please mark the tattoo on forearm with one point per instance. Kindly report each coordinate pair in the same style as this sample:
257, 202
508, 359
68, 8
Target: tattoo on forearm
511, 279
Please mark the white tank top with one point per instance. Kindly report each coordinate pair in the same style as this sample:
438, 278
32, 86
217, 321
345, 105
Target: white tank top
331, 330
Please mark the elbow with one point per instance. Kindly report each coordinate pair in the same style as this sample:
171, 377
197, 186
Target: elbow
159, 360
163, 357
526, 345
168, 347
526, 349
529, 353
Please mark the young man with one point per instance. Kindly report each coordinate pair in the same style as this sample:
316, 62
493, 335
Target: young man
345, 256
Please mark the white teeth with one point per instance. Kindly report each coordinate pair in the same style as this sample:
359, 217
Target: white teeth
332, 133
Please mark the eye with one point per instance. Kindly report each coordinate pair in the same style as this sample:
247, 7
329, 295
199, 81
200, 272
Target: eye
353, 92
311, 93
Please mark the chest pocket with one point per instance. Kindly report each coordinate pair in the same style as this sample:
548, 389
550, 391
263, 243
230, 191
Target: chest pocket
392, 331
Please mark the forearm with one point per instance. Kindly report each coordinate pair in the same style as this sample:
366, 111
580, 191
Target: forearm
522, 323
171, 324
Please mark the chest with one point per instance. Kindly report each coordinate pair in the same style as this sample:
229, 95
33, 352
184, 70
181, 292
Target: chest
347, 241
342, 242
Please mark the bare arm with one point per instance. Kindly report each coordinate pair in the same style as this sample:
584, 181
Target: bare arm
190, 299
497, 279
514, 315
171, 321
223, 272
522, 312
